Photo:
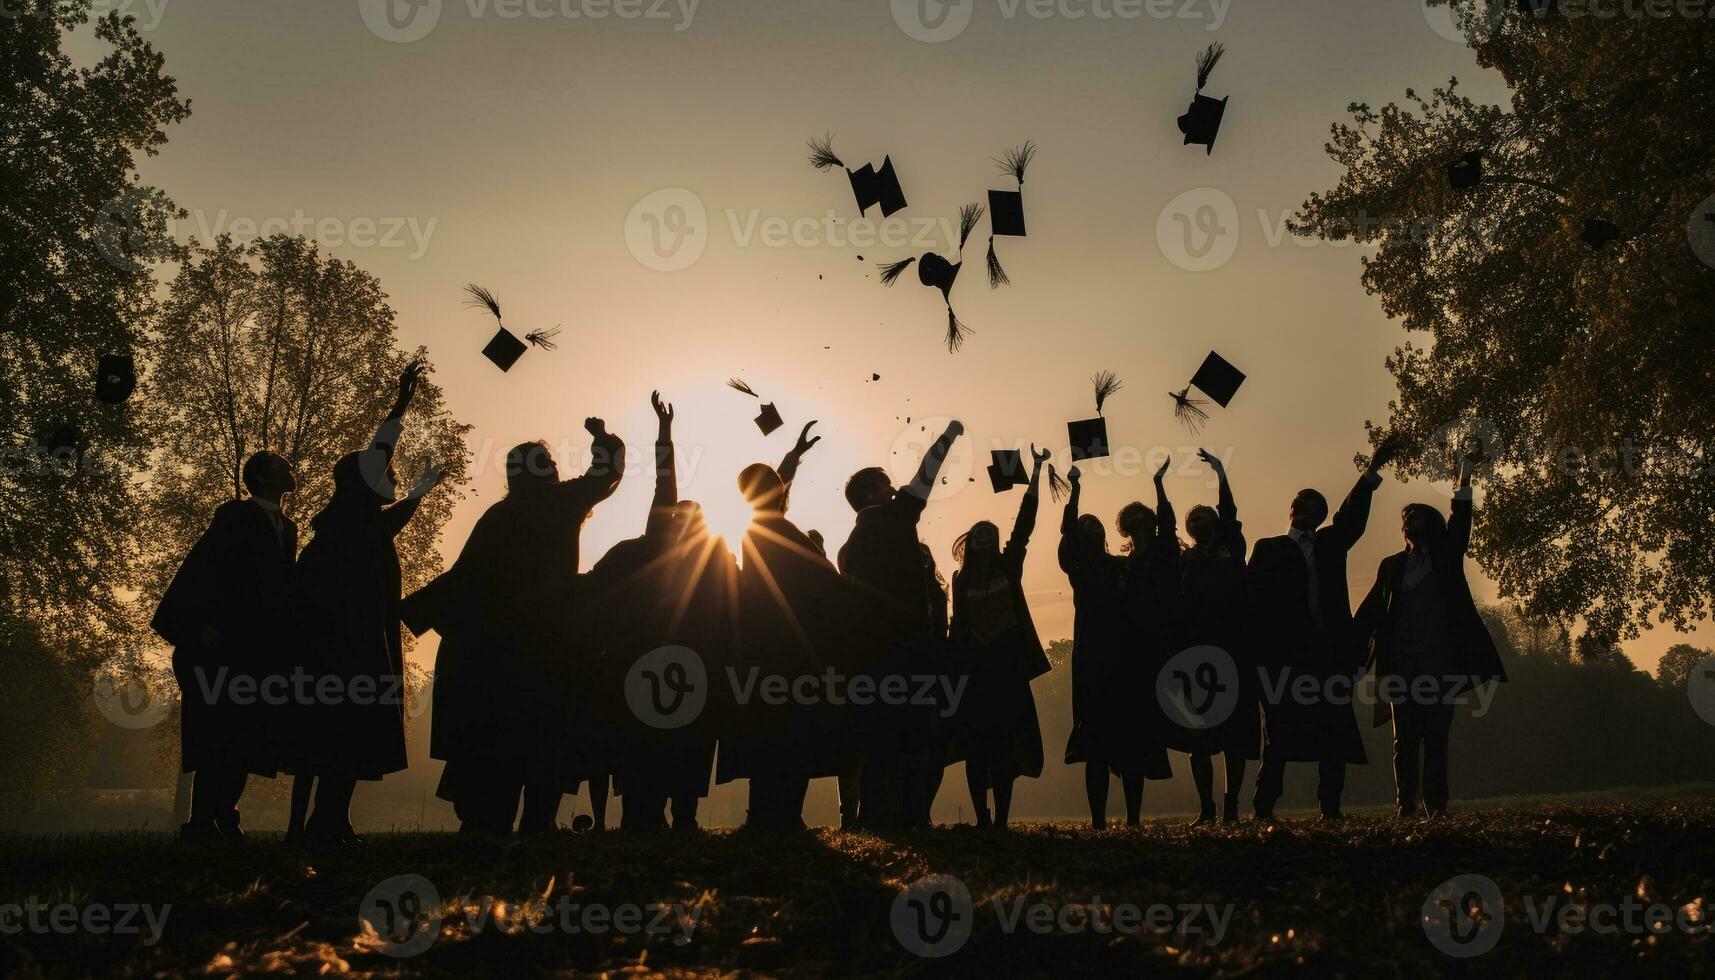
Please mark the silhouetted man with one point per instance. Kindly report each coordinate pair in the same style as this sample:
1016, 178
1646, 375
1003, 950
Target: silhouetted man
225, 614
1308, 654
884, 554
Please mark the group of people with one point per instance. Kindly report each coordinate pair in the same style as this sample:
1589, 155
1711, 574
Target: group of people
550, 682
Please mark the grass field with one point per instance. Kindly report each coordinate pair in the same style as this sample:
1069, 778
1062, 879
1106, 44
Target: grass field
1301, 897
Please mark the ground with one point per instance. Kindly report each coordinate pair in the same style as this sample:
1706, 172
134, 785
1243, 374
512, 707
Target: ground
1300, 897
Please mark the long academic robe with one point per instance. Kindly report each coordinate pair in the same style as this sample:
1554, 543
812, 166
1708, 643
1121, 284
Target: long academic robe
996, 722
797, 619
1216, 610
348, 598
505, 612
660, 589
1296, 641
1475, 659
1112, 671
237, 579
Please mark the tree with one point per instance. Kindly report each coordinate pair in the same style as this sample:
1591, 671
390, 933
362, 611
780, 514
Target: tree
274, 346
77, 231
1585, 370
1674, 671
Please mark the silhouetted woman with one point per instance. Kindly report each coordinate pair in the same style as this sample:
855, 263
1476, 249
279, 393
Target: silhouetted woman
349, 595
1108, 669
995, 646
1215, 609
1428, 643
673, 586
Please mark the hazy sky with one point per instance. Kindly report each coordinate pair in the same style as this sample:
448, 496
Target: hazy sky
572, 154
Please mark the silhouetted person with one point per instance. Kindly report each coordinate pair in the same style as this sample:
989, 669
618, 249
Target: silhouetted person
798, 622
883, 554
1428, 643
1215, 610
1110, 669
226, 614
996, 649
348, 593
932, 762
1304, 623
505, 611
673, 586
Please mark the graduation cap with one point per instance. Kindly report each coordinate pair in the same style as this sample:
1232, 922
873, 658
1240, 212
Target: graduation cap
1598, 232
1089, 438
934, 270
1218, 379
1466, 172
115, 378
1006, 208
1007, 470
1202, 120
769, 418
870, 185
505, 349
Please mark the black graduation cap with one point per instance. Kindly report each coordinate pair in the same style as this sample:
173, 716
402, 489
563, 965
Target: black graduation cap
115, 378
1089, 438
1202, 120
1006, 208
933, 269
870, 185
769, 418
505, 349
1218, 379
1598, 232
1466, 172
1007, 470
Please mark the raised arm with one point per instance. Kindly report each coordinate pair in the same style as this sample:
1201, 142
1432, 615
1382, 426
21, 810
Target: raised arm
1225, 507
1353, 517
924, 481
607, 461
788, 468
387, 434
1069, 517
1025, 523
396, 515
1166, 524
1459, 525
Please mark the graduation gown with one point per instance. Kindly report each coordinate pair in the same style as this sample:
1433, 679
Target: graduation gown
236, 579
1297, 640
1216, 611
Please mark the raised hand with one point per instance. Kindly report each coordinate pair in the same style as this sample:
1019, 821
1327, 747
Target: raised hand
408, 379
1213, 461
1162, 472
595, 427
428, 478
1039, 458
1073, 475
1389, 447
805, 443
663, 410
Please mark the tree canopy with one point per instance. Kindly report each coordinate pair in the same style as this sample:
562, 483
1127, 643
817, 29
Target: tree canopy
1585, 371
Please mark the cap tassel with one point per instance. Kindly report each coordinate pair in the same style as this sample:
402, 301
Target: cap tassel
1189, 410
1206, 62
482, 299
1058, 488
956, 331
997, 275
822, 155
738, 384
890, 271
1106, 383
544, 338
1015, 160
969, 215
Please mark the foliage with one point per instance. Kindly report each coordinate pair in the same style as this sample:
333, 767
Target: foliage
1584, 371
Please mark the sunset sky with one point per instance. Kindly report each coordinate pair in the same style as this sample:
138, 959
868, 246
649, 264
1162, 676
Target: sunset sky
571, 163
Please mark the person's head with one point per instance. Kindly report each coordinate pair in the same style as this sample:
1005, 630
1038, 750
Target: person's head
530, 466
1421, 524
1202, 524
1092, 532
868, 487
268, 475
762, 487
1309, 510
1136, 522
688, 520
366, 477
980, 543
